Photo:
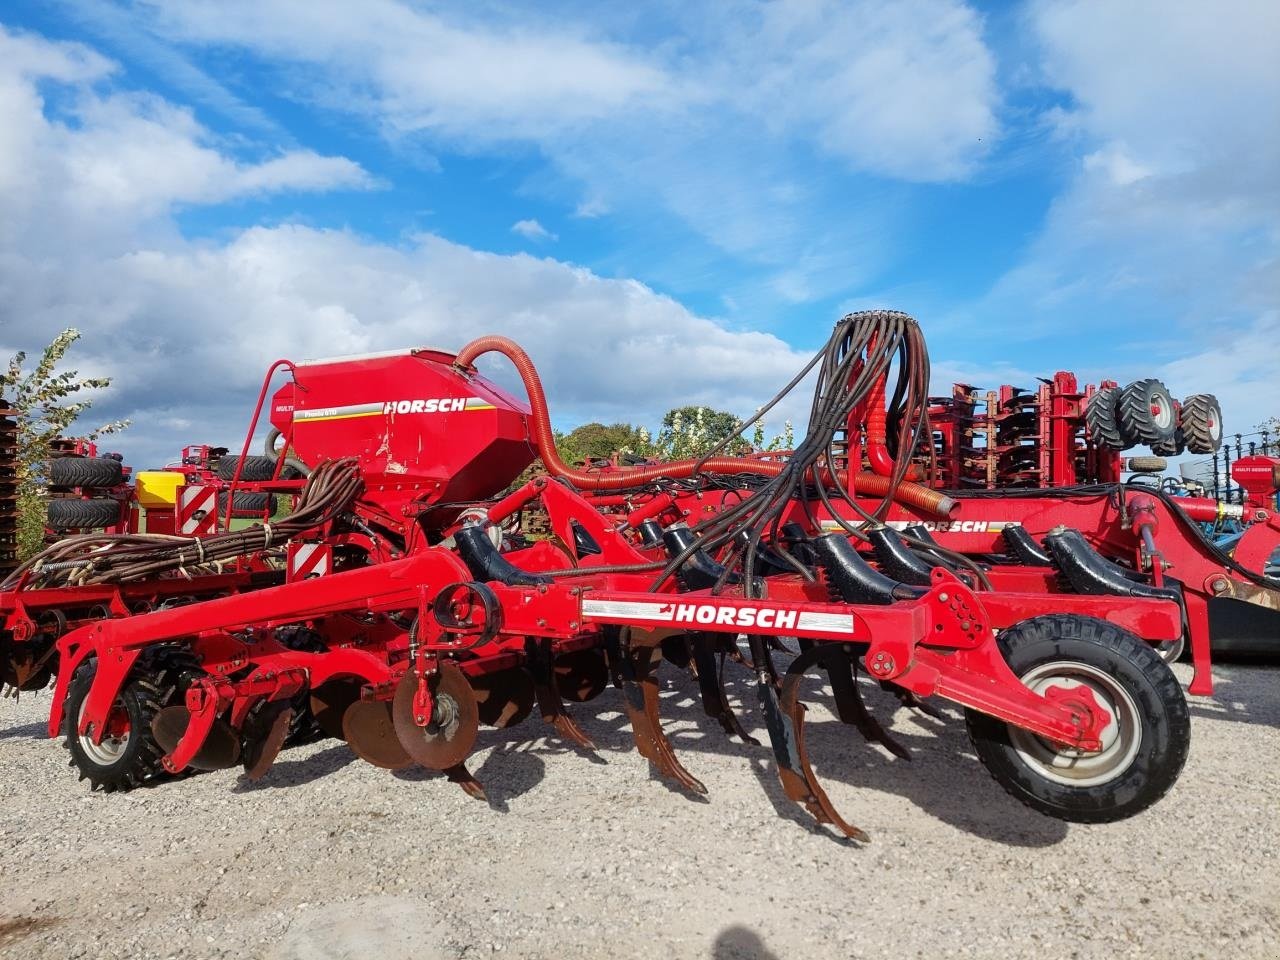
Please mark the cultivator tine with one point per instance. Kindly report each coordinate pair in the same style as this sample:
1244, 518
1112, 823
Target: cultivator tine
711, 686
550, 704
849, 706
640, 697
912, 702
784, 718
460, 775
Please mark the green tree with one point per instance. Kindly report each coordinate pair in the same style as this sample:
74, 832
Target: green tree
596, 441
48, 403
691, 431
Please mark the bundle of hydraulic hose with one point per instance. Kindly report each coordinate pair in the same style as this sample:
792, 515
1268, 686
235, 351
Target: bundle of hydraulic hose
851, 371
121, 558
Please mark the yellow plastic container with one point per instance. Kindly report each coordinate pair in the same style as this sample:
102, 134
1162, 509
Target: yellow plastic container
157, 488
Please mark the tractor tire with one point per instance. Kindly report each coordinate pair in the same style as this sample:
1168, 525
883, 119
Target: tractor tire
1202, 423
255, 468
1100, 418
1173, 448
72, 513
1145, 413
84, 472
247, 505
129, 755
1145, 743
1146, 464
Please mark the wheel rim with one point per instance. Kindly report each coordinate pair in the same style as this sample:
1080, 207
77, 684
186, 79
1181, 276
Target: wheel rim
1161, 412
114, 742
1121, 737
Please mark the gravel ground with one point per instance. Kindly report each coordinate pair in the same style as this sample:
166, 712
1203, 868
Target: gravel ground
331, 858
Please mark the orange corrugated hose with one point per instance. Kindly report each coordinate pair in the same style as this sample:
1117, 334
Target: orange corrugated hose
907, 493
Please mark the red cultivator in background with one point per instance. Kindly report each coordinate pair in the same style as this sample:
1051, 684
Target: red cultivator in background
429, 613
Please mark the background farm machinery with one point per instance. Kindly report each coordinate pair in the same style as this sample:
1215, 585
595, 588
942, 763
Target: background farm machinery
399, 605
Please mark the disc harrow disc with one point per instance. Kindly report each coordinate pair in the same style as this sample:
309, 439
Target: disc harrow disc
504, 698
264, 736
451, 733
368, 730
329, 704
22, 666
581, 675
221, 748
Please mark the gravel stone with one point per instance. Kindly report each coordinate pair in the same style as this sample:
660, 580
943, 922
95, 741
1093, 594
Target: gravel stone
329, 858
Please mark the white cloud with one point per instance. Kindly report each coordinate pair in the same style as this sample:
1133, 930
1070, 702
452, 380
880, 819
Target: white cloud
187, 329
903, 89
713, 122
107, 163
1162, 254
1182, 85
417, 70
532, 230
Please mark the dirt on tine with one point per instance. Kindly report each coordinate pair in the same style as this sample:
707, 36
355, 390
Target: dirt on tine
328, 857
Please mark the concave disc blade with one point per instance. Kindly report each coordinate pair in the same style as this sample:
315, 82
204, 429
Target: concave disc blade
448, 738
221, 748
504, 698
368, 730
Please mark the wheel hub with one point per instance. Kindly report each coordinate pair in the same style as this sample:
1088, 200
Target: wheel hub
115, 738
1106, 711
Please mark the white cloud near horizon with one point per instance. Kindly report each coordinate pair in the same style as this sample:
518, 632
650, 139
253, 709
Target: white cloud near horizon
187, 328
710, 123
1161, 254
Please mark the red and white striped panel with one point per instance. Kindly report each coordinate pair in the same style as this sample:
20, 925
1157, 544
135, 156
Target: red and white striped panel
197, 510
309, 559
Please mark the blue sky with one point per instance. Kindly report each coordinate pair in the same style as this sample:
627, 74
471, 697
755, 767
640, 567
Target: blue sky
666, 203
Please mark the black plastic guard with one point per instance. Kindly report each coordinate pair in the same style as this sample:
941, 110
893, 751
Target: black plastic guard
897, 559
1090, 573
853, 580
1024, 547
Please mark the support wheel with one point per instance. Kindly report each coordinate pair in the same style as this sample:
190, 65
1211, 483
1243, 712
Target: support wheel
128, 755
1202, 423
1146, 414
1100, 418
1144, 745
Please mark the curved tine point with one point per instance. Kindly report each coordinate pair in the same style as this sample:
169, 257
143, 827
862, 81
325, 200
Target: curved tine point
802, 785
460, 775
567, 728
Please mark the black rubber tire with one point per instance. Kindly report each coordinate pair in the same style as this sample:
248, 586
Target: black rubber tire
1100, 418
1173, 448
1202, 423
1146, 464
1138, 423
255, 468
84, 472
139, 761
72, 513
247, 505
1163, 720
